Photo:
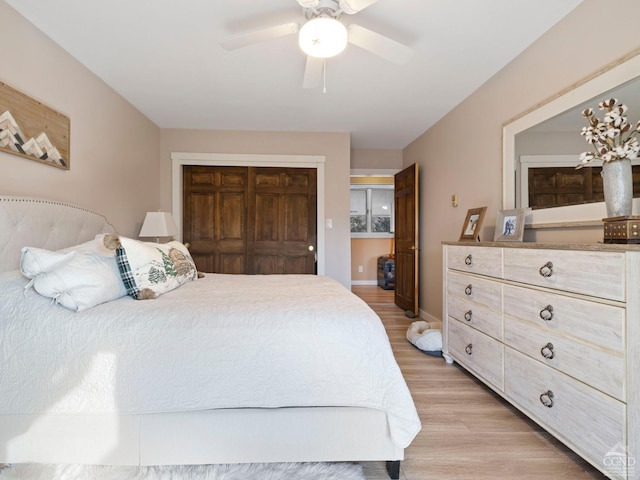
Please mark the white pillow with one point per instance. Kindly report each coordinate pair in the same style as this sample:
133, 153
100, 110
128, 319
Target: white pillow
35, 261
77, 278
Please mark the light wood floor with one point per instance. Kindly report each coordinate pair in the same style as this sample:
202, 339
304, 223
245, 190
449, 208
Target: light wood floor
468, 431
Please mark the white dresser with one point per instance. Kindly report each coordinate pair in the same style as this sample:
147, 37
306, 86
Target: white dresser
555, 330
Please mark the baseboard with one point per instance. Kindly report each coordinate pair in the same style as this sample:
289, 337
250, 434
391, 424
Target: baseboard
364, 282
432, 320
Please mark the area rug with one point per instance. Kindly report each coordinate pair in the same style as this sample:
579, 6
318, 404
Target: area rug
253, 471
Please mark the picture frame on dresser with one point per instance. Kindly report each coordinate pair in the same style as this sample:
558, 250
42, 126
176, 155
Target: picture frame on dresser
472, 224
509, 225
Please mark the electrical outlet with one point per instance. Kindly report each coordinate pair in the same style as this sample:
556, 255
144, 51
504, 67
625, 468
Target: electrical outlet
360, 268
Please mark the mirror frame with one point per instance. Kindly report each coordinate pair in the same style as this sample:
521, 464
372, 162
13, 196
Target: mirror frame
618, 72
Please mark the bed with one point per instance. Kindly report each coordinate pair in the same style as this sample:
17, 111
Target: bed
223, 369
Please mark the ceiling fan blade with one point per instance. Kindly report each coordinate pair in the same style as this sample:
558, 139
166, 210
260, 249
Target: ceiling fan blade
261, 36
379, 44
354, 6
308, 3
313, 72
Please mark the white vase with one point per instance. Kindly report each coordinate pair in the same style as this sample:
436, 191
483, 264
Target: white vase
617, 181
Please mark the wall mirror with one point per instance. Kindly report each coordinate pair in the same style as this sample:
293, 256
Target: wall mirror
549, 135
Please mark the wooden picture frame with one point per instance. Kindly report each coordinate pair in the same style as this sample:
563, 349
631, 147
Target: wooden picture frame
472, 224
32, 130
509, 225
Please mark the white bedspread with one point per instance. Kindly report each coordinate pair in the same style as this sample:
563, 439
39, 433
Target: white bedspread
225, 341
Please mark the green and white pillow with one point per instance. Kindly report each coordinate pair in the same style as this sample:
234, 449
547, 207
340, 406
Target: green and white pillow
151, 269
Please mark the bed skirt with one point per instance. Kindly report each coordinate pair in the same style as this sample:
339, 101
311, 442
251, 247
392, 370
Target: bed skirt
248, 435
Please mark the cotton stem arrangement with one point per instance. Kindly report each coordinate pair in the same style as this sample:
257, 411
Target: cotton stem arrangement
613, 138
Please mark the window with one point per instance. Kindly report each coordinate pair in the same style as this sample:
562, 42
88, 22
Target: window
372, 212
359, 210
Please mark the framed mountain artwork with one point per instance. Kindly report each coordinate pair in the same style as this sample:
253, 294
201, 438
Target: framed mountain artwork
32, 130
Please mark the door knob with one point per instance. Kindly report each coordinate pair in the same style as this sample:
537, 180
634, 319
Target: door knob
311, 248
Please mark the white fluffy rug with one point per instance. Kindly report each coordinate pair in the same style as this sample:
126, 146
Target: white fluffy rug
255, 471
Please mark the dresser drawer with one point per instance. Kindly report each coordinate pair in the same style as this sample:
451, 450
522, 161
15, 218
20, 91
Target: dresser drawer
596, 323
598, 274
480, 260
476, 351
476, 302
588, 420
599, 368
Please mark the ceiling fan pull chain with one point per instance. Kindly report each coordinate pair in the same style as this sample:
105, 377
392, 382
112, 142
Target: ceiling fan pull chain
324, 75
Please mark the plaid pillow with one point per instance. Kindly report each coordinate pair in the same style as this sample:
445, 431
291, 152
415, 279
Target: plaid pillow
125, 273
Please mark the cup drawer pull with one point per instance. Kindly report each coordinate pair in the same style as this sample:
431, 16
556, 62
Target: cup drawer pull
547, 351
546, 313
547, 399
546, 270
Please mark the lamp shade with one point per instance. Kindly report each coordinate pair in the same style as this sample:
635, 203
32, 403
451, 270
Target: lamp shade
323, 37
158, 224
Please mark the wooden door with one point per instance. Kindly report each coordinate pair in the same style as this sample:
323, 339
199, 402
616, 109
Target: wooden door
250, 219
214, 216
406, 240
282, 220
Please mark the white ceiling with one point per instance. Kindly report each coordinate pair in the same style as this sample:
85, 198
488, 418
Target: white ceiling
164, 57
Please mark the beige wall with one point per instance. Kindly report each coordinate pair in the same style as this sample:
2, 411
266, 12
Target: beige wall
365, 253
334, 146
114, 148
374, 159
463, 152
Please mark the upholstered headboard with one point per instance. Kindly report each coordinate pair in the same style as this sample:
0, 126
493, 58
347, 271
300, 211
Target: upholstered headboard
36, 222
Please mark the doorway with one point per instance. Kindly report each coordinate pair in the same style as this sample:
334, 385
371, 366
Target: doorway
401, 240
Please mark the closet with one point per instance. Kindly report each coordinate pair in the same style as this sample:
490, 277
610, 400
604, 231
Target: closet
250, 220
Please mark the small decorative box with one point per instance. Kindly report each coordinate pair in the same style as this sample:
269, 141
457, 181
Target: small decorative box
622, 229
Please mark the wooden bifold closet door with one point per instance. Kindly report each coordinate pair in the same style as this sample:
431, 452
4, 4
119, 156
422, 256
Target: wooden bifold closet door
250, 220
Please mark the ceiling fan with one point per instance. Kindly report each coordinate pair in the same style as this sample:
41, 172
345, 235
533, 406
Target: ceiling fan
323, 36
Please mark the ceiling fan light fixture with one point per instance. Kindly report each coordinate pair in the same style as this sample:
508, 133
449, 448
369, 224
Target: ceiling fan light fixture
323, 37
